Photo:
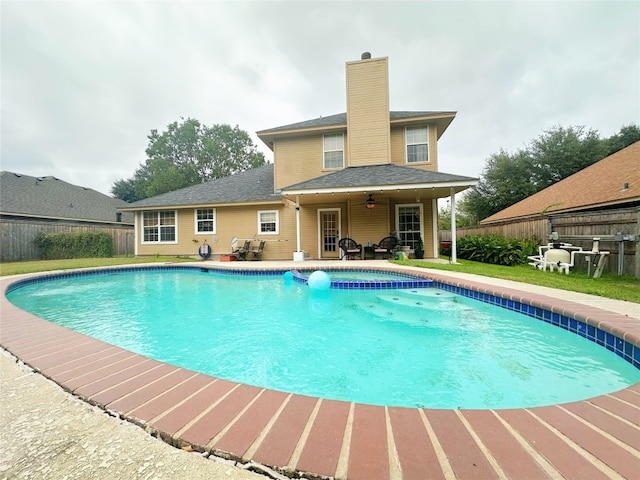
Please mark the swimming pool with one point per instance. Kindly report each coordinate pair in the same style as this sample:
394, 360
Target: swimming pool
353, 372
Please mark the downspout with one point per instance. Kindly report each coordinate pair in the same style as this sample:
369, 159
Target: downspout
454, 253
434, 227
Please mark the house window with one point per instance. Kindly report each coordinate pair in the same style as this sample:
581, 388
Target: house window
334, 151
205, 220
409, 221
417, 144
159, 227
268, 222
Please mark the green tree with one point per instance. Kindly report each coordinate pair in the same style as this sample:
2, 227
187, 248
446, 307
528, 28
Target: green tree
444, 217
561, 152
125, 190
187, 153
628, 134
556, 154
505, 180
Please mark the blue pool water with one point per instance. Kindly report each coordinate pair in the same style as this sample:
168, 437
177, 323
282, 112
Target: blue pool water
416, 347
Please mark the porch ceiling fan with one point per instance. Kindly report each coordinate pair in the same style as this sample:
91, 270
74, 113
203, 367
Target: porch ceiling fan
370, 203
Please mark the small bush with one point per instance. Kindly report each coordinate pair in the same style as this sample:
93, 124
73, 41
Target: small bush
496, 250
55, 246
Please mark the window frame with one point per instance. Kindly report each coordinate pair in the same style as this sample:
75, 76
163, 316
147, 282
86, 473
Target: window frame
197, 221
326, 150
159, 226
261, 223
407, 144
402, 233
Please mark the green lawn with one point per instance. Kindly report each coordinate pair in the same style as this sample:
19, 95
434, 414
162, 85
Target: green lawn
17, 268
609, 285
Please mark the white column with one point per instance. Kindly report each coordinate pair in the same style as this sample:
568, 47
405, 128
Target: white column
297, 223
136, 224
454, 253
298, 256
434, 227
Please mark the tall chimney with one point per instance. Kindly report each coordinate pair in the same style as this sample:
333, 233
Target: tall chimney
368, 133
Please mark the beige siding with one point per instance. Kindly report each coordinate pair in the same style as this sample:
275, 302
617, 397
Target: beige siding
241, 222
398, 149
368, 225
298, 159
427, 228
368, 112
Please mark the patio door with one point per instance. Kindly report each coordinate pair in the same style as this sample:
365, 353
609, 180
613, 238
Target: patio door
329, 229
409, 222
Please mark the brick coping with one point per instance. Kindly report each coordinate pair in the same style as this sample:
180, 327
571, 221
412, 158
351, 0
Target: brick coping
305, 436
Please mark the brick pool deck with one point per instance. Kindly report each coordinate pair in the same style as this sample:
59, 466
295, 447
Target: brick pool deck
308, 437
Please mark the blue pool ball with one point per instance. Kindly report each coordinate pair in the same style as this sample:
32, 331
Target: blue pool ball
319, 280
288, 277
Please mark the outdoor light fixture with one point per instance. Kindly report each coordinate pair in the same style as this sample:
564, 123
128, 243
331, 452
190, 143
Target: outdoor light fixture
371, 203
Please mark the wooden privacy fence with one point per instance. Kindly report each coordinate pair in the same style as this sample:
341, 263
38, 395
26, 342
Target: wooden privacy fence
579, 229
17, 236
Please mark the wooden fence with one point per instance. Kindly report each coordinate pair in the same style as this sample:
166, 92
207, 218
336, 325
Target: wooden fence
17, 236
579, 229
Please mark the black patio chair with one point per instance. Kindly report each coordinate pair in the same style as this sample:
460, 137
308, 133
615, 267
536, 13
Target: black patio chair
350, 248
385, 247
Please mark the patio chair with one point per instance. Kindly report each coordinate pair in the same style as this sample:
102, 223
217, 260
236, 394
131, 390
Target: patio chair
385, 247
241, 253
257, 252
350, 248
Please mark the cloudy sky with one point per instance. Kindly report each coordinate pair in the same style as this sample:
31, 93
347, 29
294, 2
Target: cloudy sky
83, 83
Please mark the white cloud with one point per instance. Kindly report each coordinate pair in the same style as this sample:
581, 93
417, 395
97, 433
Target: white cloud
84, 83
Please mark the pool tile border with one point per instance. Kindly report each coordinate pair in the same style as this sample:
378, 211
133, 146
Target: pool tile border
363, 427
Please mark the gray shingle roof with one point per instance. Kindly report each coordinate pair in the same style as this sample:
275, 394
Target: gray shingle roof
341, 119
381, 175
50, 197
254, 185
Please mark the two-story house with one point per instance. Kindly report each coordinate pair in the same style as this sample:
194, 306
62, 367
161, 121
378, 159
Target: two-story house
360, 174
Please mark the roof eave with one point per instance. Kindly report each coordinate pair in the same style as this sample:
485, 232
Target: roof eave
560, 211
65, 219
269, 136
200, 205
379, 188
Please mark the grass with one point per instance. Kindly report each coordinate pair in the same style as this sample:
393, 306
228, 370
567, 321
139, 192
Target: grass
18, 268
609, 285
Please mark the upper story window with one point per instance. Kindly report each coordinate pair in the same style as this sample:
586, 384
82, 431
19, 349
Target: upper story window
159, 227
205, 220
417, 139
268, 222
333, 151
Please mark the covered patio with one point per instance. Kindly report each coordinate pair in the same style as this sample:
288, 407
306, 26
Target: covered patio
369, 203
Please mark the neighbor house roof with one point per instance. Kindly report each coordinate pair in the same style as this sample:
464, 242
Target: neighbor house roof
52, 198
339, 120
613, 181
250, 186
378, 176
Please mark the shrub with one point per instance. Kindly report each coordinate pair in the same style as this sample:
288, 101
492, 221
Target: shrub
496, 250
54, 246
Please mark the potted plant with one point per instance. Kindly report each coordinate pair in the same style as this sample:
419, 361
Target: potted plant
419, 250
